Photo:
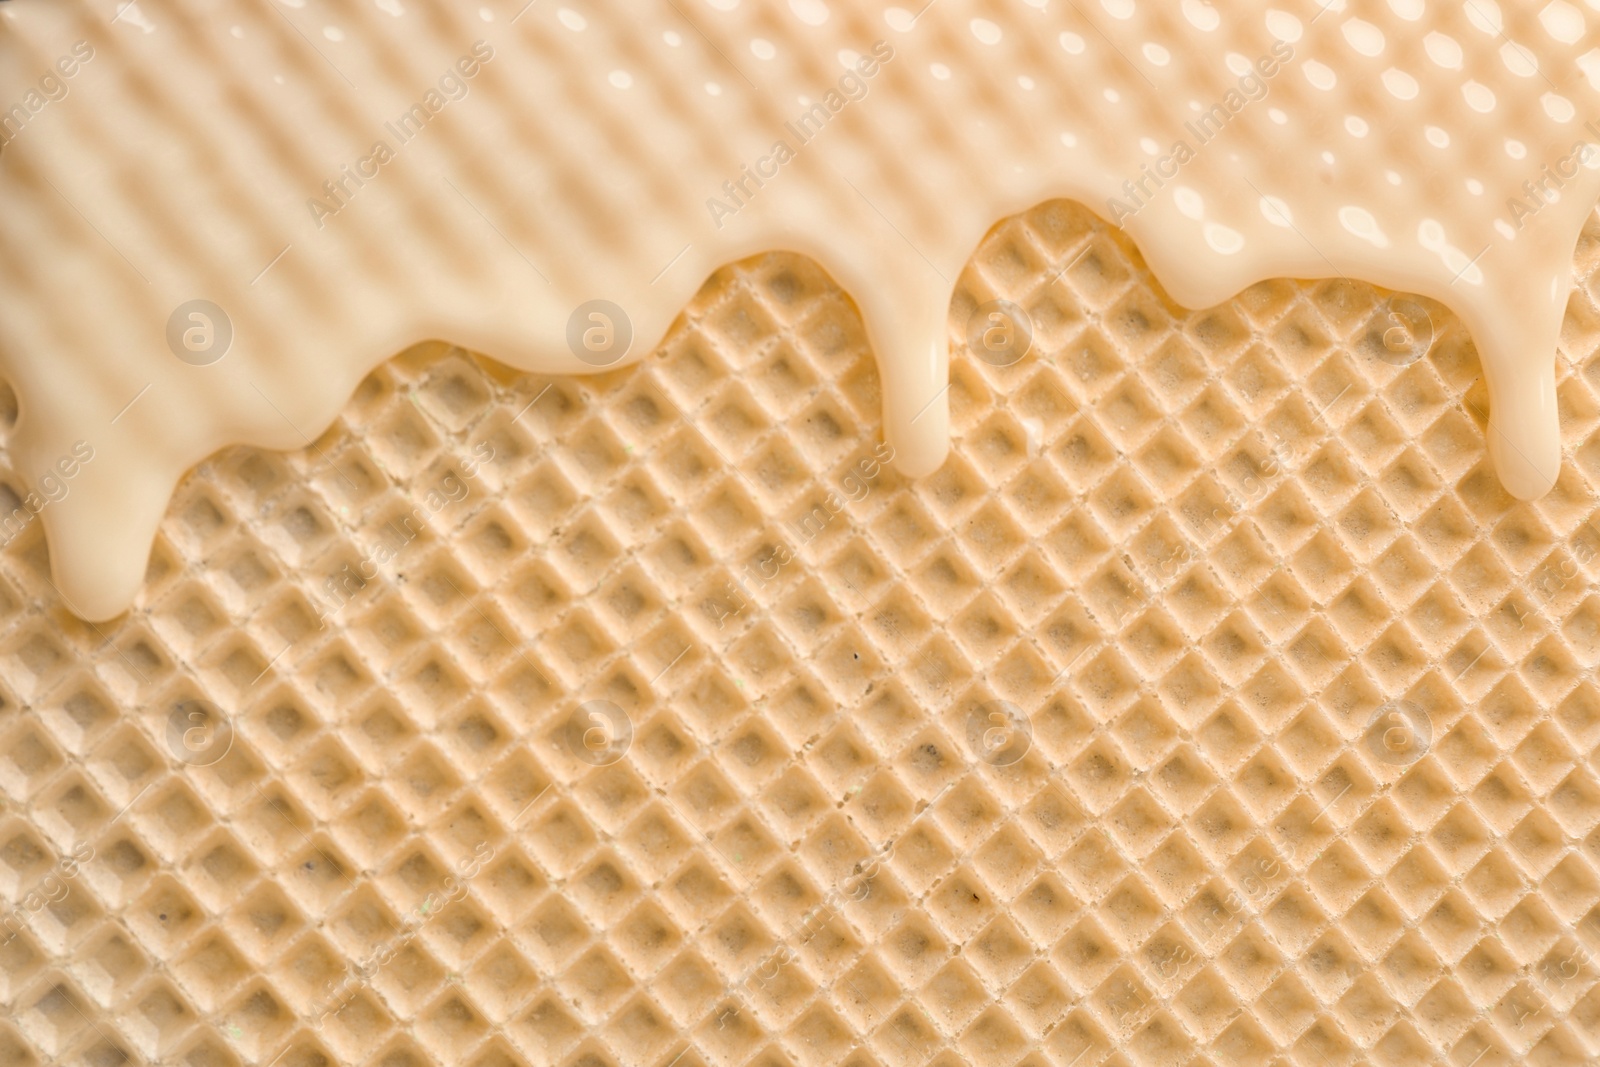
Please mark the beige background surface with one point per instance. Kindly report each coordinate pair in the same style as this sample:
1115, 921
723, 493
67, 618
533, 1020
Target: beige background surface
1200, 549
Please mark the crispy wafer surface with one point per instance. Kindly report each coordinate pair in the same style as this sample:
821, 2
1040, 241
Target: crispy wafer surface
1212, 704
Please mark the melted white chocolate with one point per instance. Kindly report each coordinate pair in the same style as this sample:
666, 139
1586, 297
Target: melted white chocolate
344, 178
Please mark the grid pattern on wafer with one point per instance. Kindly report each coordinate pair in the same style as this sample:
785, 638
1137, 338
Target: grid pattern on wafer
1200, 549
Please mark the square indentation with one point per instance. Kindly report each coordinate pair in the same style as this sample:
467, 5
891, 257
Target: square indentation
1213, 421
1122, 503
1083, 454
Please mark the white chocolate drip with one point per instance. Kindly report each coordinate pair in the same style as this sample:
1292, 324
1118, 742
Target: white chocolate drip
343, 179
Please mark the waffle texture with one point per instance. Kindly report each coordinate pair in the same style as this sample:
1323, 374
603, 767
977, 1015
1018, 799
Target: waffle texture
650, 718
